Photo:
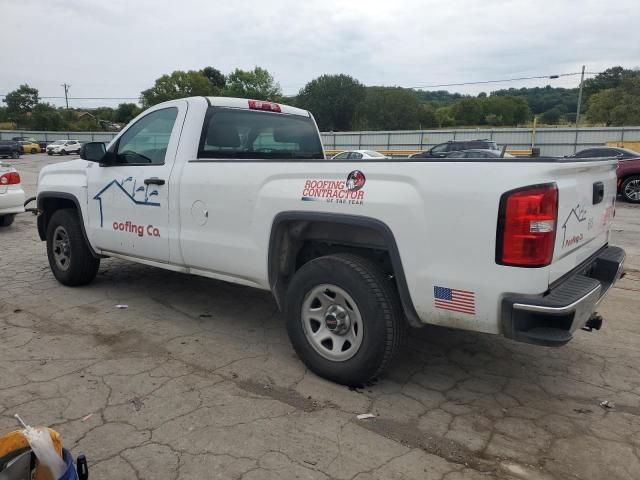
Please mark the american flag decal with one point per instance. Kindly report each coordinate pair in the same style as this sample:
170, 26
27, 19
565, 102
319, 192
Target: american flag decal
455, 300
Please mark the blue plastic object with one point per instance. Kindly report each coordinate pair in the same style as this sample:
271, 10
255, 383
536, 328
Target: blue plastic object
70, 472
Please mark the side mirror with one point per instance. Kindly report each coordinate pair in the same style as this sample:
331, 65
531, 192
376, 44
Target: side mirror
93, 151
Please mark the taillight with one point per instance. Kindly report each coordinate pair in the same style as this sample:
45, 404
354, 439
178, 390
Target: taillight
260, 105
11, 178
527, 226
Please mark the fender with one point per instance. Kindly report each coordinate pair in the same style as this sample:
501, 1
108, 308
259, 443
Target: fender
275, 243
43, 219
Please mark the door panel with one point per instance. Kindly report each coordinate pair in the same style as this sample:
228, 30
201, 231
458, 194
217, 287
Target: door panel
129, 200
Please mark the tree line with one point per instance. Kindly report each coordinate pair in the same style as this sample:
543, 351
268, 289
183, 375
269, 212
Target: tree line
342, 103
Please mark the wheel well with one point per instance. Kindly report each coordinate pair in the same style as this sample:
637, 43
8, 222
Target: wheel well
47, 206
296, 240
49, 203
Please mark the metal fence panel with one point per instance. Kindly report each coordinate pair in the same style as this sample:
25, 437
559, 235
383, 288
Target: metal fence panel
551, 141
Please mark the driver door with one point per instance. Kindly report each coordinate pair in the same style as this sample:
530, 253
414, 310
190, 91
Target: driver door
129, 198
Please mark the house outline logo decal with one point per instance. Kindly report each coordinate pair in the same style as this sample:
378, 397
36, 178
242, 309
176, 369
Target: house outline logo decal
131, 196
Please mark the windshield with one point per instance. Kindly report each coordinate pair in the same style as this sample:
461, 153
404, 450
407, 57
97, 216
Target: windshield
234, 133
59, 142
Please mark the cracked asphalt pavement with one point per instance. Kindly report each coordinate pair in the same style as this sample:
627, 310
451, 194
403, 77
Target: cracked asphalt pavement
196, 379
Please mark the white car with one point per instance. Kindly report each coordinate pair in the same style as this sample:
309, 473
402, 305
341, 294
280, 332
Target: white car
11, 195
359, 155
64, 147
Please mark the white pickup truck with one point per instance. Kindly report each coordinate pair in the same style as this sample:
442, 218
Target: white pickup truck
240, 190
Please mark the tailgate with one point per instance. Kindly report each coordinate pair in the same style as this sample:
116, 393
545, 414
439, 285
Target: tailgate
586, 201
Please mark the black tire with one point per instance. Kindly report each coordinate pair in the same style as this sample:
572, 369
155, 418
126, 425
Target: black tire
64, 152
33, 151
377, 302
49, 153
81, 266
6, 220
630, 189
15, 155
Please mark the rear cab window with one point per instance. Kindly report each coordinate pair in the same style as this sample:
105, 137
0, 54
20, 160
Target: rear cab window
230, 133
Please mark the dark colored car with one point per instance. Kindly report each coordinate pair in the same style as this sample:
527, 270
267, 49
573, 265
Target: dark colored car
42, 143
478, 153
444, 149
628, 169
9, 148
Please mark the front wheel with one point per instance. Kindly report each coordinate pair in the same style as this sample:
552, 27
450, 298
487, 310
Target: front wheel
70, 259
15, 155
344, 318
6, 220
64, 152
630, 189
49, 153
33, 150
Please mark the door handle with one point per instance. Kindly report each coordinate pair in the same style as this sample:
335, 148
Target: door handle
153, 181
598, 192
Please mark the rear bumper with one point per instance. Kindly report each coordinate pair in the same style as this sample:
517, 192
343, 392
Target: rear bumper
12, 201
551, 318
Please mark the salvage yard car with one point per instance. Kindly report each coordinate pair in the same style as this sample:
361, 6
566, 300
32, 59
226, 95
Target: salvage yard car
10, 149
29, 146
11, 195
64, 147
353, 251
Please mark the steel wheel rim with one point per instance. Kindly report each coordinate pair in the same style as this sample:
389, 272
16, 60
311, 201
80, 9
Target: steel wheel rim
61, 248
632, 190
332, 322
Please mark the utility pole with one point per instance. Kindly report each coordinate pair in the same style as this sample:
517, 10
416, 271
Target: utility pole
580, 98
67, 87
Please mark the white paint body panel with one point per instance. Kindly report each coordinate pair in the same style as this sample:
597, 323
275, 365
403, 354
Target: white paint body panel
443, 215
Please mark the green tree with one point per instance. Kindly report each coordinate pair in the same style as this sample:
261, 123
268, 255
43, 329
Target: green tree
610, 78
216, 77
125, 112
553, 115
46, 117
427, 116
617, 106
469, 111
508, 110
444, 117
333, 100
20, 102
178, 84
257, 84
388, 108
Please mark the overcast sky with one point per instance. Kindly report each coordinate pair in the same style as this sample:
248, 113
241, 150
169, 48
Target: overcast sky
116, 48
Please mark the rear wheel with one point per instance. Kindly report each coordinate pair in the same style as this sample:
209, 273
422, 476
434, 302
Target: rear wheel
50, 153
630, 189
15, 154
344, 318
64, 152
33, 150
70, 259
6, 220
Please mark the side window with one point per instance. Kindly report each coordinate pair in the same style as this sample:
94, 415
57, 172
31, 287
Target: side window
147, 140
590, 153
355, 156
442, 148
341, 156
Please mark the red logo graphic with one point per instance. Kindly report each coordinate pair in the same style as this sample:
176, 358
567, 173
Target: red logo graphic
355, 180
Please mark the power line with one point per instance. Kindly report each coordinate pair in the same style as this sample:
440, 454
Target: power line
505, 80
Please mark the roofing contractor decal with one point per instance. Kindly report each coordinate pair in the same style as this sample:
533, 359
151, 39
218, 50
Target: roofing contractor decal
349, 191
120, 187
